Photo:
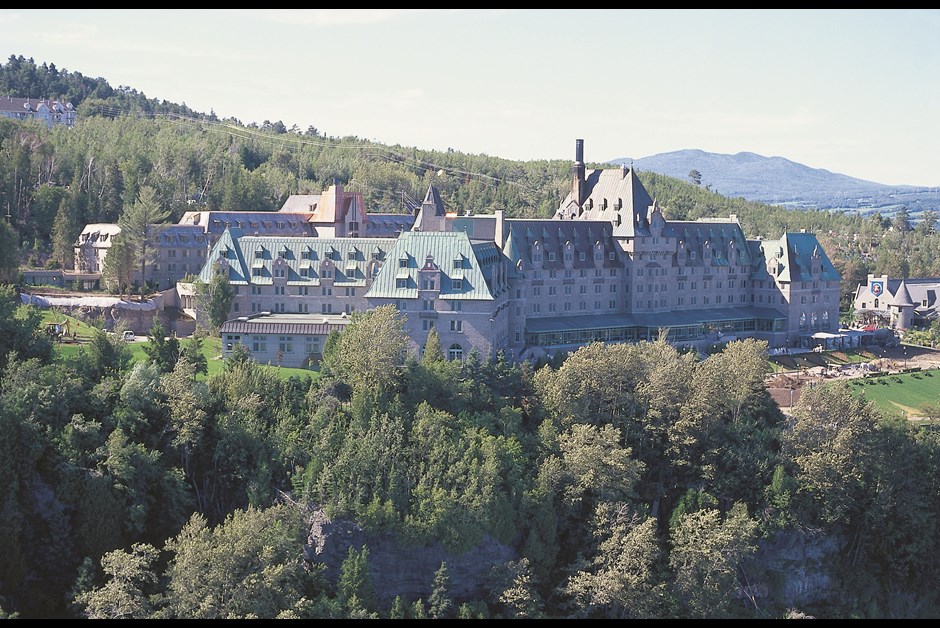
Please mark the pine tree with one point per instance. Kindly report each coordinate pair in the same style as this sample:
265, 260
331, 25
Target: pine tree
441, 606
63, 237
433, 351
139, 225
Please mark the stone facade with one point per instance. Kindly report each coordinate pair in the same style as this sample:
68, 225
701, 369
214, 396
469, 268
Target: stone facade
607, 267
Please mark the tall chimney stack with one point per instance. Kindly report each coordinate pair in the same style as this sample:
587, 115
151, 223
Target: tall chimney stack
577, 173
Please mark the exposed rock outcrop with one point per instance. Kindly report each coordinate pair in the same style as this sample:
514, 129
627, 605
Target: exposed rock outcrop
405, 570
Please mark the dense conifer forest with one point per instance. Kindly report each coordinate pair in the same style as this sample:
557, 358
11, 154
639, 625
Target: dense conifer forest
626, 481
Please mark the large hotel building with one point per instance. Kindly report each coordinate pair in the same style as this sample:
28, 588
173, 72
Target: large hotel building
606, 267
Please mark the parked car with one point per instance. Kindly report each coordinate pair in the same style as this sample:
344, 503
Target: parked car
129, 336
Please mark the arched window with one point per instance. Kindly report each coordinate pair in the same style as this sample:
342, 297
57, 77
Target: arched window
815, 321
825, 320
455, 352
803, 321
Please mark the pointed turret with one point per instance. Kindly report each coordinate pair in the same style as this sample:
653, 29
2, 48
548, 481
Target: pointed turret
430, 216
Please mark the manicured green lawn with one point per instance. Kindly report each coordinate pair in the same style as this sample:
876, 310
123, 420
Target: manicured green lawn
904, 391
211, 348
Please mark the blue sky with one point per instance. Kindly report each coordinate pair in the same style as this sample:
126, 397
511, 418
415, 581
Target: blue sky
852, 91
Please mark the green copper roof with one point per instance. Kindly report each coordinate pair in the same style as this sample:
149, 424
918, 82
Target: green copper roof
458, 269
797, 254
253, 259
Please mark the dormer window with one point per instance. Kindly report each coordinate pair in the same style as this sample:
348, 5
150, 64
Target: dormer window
403, 262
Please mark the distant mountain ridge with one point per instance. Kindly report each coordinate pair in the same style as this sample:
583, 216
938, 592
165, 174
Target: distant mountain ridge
779, 181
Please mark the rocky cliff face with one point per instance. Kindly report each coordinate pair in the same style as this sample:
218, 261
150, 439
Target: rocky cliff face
405, 570
791, 570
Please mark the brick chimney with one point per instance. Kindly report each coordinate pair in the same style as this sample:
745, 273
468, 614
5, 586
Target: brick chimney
577, 173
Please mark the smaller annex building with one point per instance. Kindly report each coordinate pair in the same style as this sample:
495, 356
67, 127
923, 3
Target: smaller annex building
292, 340
898, 303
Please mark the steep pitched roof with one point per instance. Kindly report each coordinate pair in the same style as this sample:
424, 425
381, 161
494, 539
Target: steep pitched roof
902, 297
797, 254
615, 195
438, 251
349, 259
431, 207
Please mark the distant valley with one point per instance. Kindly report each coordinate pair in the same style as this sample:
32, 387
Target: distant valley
779, 181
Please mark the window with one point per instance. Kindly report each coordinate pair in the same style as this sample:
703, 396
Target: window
403, 262
456, 325
401, 283
285, 344
458, 285
259, 343
455, 352
458, 262
456, 306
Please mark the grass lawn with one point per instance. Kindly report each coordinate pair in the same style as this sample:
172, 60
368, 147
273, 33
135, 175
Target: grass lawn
211, 348
904, 391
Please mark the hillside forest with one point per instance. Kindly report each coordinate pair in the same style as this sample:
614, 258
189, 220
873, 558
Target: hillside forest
627, 481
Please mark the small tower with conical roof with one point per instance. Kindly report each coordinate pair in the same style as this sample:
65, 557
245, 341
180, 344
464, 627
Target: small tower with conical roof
902, 307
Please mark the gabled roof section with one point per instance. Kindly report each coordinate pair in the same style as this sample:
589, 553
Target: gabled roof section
400, 276
615, 195
301, 204
799, 257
